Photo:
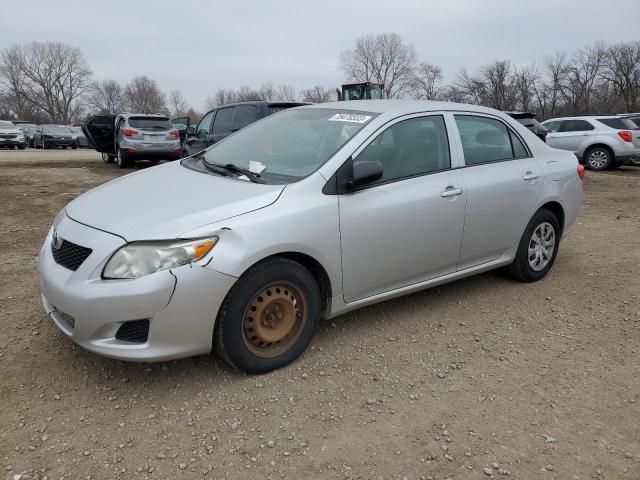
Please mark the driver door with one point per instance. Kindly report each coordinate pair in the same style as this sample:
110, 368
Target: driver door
100, 132
181, 124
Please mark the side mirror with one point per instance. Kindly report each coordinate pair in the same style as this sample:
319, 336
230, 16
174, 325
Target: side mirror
191, 131
365, 171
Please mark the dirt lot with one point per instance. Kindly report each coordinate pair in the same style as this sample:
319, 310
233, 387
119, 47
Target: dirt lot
531, 381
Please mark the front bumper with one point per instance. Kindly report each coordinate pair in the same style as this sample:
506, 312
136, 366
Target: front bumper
12, 142
181, 305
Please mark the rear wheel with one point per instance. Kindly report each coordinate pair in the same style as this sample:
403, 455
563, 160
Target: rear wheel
44, 144
121, 159
269, 317
537, 249
598, 158
22, 147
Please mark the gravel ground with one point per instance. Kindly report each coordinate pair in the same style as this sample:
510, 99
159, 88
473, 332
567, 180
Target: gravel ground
481, 378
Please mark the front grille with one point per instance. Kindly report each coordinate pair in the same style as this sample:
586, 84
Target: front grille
8, 135
136, 331
70, 255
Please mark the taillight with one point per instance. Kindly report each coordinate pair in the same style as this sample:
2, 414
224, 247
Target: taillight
581, 171
130, 132
174, 133
625, 135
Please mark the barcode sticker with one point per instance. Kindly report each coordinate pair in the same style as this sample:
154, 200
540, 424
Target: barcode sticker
350, 117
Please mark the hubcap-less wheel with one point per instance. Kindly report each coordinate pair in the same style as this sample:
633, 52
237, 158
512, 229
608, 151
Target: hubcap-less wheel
636, 161
598, 159
541, 246
274, 319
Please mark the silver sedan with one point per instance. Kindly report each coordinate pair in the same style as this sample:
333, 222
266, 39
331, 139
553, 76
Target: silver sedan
306, 214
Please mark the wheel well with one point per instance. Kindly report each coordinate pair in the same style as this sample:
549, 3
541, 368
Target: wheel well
598, 145
557, 210
316, 269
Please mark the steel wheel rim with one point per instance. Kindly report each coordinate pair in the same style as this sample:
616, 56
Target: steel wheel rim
598, 159
541, 246
274, 319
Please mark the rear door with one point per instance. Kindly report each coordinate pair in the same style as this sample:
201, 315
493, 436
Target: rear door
100, 132
503, 183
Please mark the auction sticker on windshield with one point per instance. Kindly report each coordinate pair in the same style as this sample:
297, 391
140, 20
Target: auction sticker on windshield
350, 117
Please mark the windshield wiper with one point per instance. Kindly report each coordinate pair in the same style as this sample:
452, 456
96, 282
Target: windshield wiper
232, 167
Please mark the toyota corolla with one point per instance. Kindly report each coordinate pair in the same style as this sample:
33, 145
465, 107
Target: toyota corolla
306, 214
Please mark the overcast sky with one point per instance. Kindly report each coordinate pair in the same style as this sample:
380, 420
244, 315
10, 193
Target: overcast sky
199, 46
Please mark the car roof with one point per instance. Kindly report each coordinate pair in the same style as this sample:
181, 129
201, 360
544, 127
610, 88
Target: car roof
403, 107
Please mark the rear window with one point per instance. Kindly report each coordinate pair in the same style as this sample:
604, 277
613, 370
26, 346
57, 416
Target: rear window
528, 122
619, 123
147, 123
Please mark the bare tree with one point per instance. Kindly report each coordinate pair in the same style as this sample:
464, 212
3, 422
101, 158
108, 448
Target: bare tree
142, 95
106, 97
178, 106
267, 91
286, 92
381, 59
622, 71
425, 84
318, 94
581, 76
53, 77
524, 84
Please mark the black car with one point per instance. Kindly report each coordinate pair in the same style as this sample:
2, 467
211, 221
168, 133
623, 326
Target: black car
528, 119
226, 119
48, 136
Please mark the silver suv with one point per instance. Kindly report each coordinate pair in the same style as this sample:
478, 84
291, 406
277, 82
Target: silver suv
601, 142
133, 136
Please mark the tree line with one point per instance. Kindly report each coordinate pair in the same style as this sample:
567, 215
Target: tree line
52, 82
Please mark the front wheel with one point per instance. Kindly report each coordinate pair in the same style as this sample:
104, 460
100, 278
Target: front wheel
635, 161
106, 158
599, 158
537, 249
269, 317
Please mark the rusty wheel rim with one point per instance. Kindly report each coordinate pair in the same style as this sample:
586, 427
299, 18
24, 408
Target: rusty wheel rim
274, 319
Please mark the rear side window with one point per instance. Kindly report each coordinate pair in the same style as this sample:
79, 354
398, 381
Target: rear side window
618, 123
575, 126
148, 123
411, 147
224, 120
245, 115
487, 140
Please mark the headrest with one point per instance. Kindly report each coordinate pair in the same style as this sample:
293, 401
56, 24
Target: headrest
491, 137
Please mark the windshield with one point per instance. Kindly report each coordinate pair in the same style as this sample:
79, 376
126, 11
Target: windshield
56, 129
4, 124
289, 145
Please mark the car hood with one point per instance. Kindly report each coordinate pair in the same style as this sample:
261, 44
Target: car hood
9, 130
165, 201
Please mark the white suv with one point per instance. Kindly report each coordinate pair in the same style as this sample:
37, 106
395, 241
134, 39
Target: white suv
601, 142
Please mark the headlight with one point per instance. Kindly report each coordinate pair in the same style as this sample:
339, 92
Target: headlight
73, 137
142, 258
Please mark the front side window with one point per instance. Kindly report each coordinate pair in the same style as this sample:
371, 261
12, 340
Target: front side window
245, 115
290, 145
552, 126
487, 140
224, 120
416, 146
575, 126
205, 124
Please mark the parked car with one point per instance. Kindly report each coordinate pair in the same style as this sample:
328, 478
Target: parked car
27, 130
309, 213
11, 136
49, 136
601, 142
223, 121
82, 140
528, 119
133, 136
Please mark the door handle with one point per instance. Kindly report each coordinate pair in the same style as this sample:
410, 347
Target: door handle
530, 176
450, 192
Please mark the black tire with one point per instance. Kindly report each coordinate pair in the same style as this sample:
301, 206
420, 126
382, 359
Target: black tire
22, 147
121, 158
231, 338
75, 147
635, 161
521, 268
598, 158
64, 147
44, 145
106, 158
